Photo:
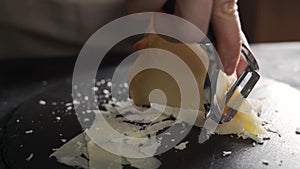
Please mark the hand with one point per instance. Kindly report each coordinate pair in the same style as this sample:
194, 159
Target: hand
223, 16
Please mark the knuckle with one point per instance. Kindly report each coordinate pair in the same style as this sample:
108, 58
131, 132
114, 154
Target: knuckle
228, 7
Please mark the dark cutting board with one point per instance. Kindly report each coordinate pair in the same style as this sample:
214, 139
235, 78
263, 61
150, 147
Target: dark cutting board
281, 108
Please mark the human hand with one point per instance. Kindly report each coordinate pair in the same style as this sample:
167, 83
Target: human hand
223, 16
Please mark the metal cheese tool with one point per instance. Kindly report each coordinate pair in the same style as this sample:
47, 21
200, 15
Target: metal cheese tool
246, 81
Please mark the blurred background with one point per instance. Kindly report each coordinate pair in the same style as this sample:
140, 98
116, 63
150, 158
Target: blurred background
53, 28
270, 20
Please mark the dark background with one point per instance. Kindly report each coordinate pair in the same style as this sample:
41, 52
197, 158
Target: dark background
270, 20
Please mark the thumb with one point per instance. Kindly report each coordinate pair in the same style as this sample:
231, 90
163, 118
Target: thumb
226, 25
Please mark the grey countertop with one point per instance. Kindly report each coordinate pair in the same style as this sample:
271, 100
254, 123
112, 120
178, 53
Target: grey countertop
279, 61
25, 79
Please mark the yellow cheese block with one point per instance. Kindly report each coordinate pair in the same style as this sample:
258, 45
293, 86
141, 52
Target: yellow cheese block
142, 83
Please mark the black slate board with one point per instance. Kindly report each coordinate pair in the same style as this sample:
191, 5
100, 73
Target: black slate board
282, 151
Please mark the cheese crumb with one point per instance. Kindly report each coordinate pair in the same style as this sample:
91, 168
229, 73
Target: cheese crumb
42, 102
226, 153
63, 140
28, 131
29, 157
95, 88
181, 146
109, 84
76, 102
69, 108
167, 133
105, 91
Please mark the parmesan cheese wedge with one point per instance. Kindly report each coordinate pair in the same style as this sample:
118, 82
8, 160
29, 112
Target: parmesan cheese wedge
144, 82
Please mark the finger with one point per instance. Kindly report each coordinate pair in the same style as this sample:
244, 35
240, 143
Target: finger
226, 25
197, 12
242, 64
143, 43
135, 6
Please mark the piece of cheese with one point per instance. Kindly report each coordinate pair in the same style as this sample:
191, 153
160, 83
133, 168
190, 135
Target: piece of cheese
141, 84
71, 152
245, 123
99, 158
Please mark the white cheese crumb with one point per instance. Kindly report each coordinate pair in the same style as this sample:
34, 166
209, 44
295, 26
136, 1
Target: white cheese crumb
182, 131
17, 120
86, 98
98, 83
95, 88
105, 91
68, 104
76, 102
226, 153
28, 131
55, 149
58, 118
265, 162
42, 102
29, 157
102, 81
298, 130
109, 84
63, 140
167, 133
181, 146
172, 140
